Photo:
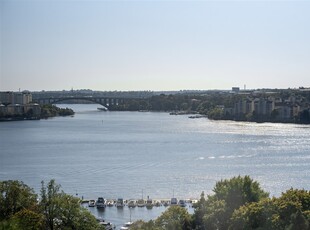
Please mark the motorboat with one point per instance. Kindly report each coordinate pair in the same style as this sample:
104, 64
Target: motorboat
107, 225
132, 203
157, 203
149, 203
120, 203
126, 226
182, 203
102, 108
166, 203
91, 203
100, 203
110, 203
140, 203
174, 202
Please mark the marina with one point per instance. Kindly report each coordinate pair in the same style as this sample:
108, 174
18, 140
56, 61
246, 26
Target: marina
129, 211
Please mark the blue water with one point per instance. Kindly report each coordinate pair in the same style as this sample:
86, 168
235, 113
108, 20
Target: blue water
119, 154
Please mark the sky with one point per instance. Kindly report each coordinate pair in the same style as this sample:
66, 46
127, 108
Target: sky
153, 45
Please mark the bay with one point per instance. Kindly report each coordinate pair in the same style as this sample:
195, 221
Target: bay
119, 154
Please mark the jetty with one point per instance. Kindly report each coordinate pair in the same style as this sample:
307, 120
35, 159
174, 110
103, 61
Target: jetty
142, 202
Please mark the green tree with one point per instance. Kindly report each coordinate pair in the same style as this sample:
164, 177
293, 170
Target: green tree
63, 211
14, 197
255, 215
228, 196
290, 211
50, 203
142, 225
28, 220
174, 218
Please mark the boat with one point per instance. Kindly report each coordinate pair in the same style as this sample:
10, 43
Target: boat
149, 203
174, 202
166, 203
102, 108
157, 203
120, 203
91, 203
132, 203
107, 225
140, 203
110, 203
100, 203
126, 226
182, 203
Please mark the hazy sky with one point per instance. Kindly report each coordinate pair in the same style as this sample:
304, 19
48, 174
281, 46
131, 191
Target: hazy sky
154, 45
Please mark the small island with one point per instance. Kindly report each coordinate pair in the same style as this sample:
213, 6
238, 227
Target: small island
53, 111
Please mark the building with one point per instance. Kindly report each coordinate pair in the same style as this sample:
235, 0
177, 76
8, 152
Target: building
6, 98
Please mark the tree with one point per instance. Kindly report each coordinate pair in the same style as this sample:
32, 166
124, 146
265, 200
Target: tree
290, 211
28, 220
14, 197
50, 203
174, 218
228, 196
63, 211
256, 215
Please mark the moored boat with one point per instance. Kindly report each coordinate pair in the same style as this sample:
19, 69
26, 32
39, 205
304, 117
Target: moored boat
140, 203
100, 203
102, 108
174, 202
132, 203
91, 203
126, 226
149, 203
182, 203
120, 203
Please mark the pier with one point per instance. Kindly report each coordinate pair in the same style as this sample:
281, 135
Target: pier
134, 202
119, 211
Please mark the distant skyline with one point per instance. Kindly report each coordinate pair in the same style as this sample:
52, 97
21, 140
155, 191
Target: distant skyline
153, 45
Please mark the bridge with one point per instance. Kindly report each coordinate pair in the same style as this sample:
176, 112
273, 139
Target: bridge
98, 100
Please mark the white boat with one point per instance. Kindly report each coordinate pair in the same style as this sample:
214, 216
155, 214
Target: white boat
126, 226
107, 225
140, 203
91, 203
102, 108
110, 203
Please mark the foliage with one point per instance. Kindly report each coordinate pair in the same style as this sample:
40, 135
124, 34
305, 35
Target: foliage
28, 220
216, 211
216, 114
14, 197
52, 111
63, 211
174, 218
290, 211
19, 209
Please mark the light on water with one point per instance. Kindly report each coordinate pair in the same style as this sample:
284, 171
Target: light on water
117, 154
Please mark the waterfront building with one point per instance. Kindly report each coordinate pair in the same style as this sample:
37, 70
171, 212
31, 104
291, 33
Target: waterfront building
6, 97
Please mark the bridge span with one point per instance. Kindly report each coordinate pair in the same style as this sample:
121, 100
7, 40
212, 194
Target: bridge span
98, 100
